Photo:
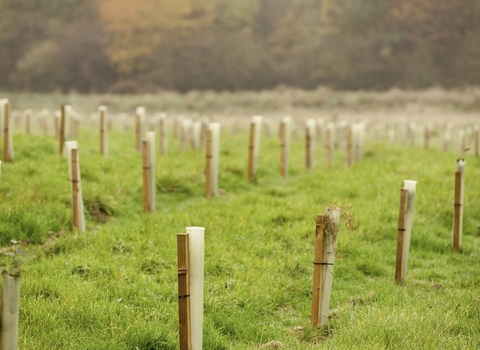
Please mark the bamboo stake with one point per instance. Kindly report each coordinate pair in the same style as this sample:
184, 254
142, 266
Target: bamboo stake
175, 128
56, 120
258, 120
411, 186
251, 147
44, 121
146, 177
458, 204
28, 115
150, 136
358, 141
76, 213
283, 156
103, 130
476, 137
318, 271
6, 132
329, 143
183, 256
215, 162
426, 137
349, 145
457, 210
61, 134
162, 133
73, 160
402, 217
139, 127
308, 140
208, 167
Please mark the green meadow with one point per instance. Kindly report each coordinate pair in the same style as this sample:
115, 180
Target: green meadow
115, 285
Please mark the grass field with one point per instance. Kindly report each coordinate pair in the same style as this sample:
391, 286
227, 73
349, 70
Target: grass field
115, 285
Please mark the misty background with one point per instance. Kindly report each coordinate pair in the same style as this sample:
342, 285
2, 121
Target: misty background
135, 46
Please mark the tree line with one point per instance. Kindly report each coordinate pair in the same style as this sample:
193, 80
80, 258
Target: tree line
127, 46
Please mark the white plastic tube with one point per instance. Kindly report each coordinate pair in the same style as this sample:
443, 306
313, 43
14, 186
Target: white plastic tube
342, 135
330, 143
102, 115
320, 130
150, 135
411, 186
311, 127
287, 121
215, 129
355, 143
10, 311
329, 248
68, 116
461, 163
186, 130
257, 120
28, 119
197, 252
4, 104
162, 132
141, 115
361, 140
391, 133
69, 145
196, 134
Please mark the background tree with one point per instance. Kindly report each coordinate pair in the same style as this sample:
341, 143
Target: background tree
147, 45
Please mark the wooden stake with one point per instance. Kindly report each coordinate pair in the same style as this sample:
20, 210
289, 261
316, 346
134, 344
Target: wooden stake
402, 219
162, 133
146, 177
318, 264
283, 157
328, 146
75, 182
251, 146
6, 133
476, 134
208, 166
356, 143
183, 256
28, 114
457, 211
349, 145
44, 122
56, 120
61, 135
308, 140
102, 131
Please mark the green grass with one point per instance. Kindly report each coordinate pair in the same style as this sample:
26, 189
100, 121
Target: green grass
114, 286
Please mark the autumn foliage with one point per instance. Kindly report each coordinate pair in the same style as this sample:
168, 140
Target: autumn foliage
147, 45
